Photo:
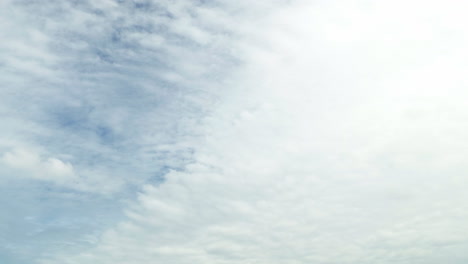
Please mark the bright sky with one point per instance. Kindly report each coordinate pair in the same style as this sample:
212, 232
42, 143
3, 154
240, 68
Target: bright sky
233, 132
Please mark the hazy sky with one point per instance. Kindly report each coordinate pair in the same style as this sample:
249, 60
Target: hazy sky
233, 132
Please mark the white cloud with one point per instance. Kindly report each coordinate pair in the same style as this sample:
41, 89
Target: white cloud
96, 99
117, 88
31, 164
340, 140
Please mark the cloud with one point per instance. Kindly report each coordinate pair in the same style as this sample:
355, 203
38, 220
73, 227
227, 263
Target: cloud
118, 89
266, 132
96, 100
339, 139
51, 169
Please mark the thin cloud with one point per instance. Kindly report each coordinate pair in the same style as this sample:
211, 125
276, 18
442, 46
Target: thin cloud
324, 132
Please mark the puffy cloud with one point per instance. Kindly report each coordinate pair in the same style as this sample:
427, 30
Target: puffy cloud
51, 169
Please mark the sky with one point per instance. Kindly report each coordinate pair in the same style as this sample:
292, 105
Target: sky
229, 132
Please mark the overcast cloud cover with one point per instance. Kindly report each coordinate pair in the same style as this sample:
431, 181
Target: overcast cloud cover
229, 132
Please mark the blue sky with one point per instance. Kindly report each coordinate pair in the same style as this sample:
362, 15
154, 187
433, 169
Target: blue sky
264, 132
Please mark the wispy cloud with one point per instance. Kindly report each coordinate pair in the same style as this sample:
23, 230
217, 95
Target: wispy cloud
99, 98
108, 83
286, 131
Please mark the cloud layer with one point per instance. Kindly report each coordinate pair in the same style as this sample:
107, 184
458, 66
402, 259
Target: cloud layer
96, 99
324, 132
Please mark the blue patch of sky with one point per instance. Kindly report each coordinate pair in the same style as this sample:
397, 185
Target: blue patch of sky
44, 218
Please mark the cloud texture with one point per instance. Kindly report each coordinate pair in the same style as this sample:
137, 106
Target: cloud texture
321, 132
